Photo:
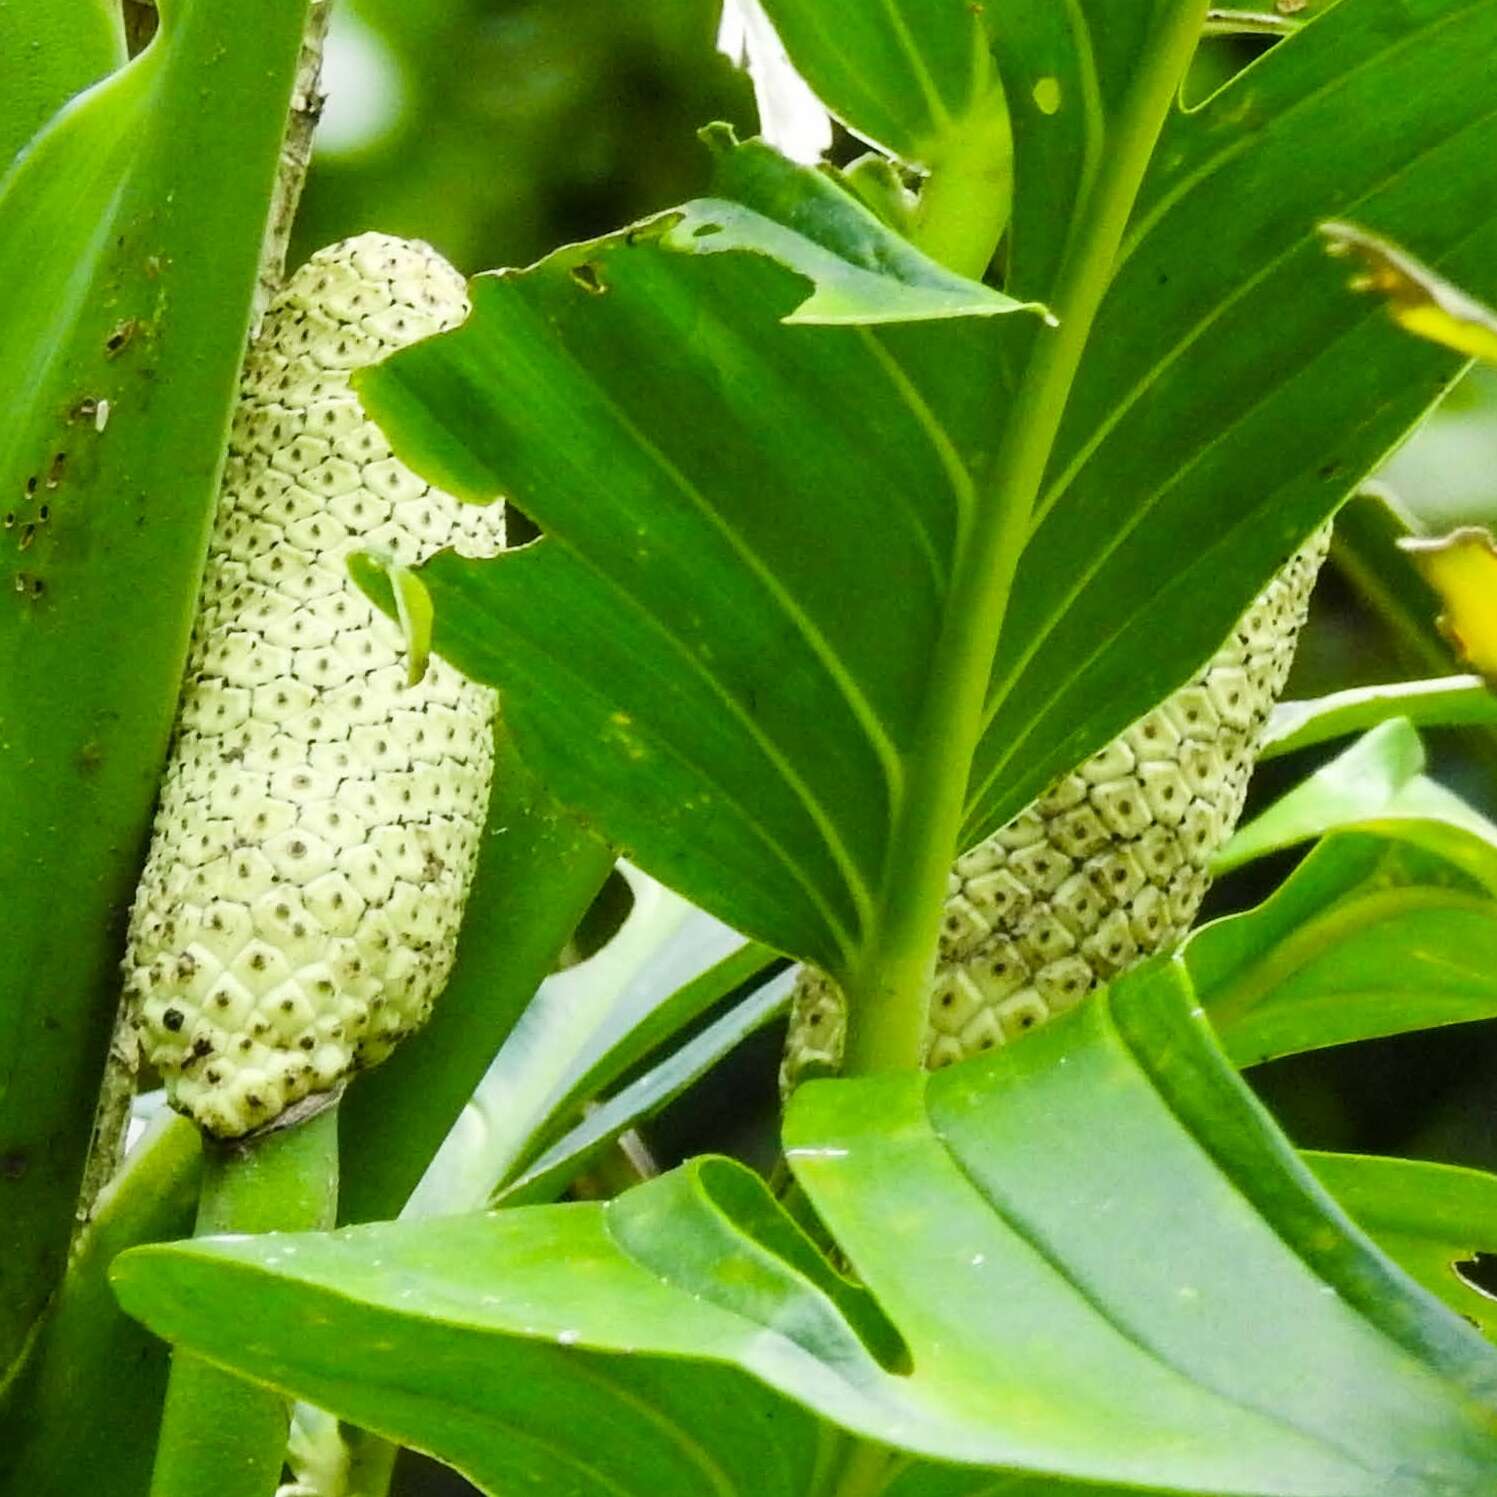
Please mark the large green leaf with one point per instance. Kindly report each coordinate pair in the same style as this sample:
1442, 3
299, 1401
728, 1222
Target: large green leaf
130, 234
725, 643
1096, 1257
1385, 927
700, 641
1233, 390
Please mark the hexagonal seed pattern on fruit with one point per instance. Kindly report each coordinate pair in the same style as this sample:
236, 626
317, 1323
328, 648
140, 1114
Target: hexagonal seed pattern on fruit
1106, 868
319, 819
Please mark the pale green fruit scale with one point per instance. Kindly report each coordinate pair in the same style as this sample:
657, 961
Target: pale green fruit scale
319, 818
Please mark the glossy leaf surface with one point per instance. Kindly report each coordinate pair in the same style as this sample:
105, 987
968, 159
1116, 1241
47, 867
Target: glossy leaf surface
1188, 460
1183, 1308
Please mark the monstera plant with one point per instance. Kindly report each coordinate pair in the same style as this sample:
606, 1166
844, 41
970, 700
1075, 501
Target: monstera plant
885, 569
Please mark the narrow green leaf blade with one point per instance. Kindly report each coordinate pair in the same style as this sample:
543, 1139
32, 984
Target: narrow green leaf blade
547, 1176
133, 225
1443, 701
584, 1028
1385, 927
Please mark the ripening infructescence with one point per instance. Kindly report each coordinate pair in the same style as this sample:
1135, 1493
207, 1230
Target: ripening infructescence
319, 818
1104, 869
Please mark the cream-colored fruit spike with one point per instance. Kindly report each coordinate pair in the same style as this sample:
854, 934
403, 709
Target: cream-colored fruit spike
1104, 869
319, 819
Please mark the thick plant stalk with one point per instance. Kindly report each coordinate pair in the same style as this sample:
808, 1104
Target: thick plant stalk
1106, 868
319, 819
219, 1433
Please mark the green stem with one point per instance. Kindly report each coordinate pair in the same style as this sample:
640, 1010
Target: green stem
965, 203
889, 988
220, 1434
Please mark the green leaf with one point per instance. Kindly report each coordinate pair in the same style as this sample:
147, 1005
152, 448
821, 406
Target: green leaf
1433, 1220
861, 273
699, 642
1383, 928
914, 78
134, 225
1232, 393
1379, 776
1445, 701
584, 1029
537, 871
53, 49
1066, 71
1004, 1215
549, 1174
704, 650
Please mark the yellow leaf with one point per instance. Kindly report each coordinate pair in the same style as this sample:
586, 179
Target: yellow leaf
1462, 568
1418, 300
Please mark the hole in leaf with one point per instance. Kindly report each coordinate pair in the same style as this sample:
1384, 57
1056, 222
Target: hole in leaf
586, 275
1478, 1272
